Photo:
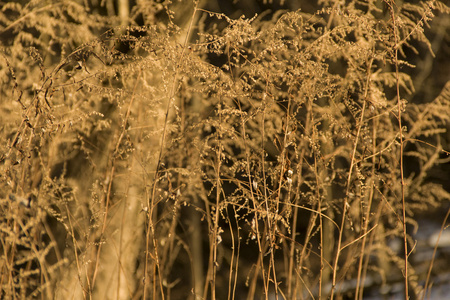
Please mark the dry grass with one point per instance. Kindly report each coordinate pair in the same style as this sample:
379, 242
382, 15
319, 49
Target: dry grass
172, 152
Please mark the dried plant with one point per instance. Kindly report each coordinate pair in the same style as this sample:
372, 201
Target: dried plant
160, 150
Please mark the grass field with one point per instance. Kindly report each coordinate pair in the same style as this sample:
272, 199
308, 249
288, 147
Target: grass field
224, 150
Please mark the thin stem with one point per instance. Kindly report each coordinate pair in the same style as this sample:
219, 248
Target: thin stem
346, 203
152, 203
401, 141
